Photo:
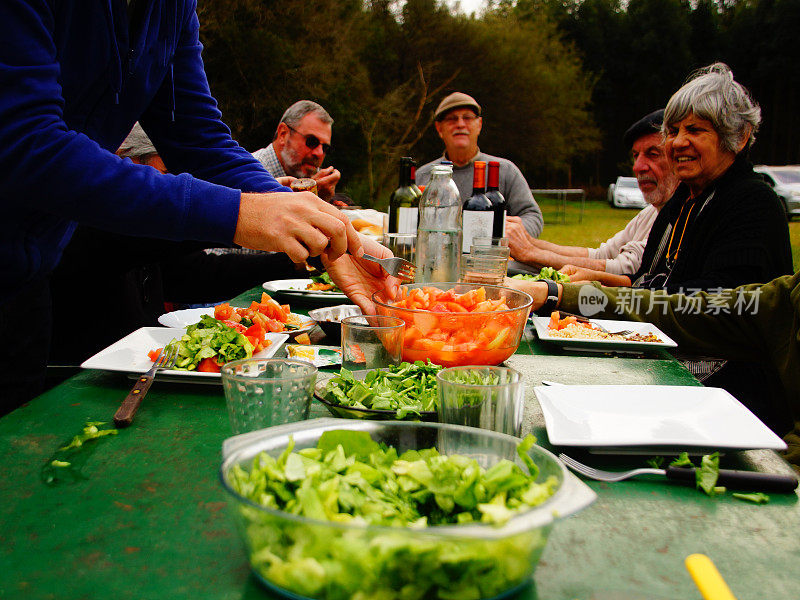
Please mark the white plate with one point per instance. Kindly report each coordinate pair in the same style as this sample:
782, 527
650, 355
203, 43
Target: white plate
189, 316
129, 355
297, 287
680, 417
540, 323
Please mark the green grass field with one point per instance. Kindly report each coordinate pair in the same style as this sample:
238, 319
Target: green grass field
601, 221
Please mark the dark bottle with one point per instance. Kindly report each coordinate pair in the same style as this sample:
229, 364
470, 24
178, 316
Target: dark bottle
499, 204
478, 216
404, 201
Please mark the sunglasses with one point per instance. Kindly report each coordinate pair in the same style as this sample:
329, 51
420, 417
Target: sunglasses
312, 141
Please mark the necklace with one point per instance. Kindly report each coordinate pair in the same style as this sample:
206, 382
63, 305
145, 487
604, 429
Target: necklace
671, 258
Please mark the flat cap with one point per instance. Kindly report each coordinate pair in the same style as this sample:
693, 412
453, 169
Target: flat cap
649, 124
456, 100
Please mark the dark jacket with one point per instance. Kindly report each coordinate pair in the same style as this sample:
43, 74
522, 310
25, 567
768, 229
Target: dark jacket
738, 234
757, 322
74, 77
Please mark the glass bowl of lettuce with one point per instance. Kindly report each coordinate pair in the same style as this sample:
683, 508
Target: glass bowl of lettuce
331, 509
404, 391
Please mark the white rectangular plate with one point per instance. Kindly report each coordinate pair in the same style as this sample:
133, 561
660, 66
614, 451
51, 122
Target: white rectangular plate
540, 323
297, 287
181, 319
129, 355
679, 417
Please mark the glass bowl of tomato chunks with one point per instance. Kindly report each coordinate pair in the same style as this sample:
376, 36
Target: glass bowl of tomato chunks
454, 324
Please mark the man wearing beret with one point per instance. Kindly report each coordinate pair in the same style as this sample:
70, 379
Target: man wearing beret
458, 122
622, 253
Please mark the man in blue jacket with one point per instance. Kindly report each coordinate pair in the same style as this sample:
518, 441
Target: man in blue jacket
74, 78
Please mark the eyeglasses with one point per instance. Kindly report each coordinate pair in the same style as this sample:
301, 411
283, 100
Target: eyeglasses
312, 141
453, 119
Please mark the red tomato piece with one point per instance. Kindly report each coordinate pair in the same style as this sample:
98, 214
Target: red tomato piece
237, 326
255, 331
223, 311
154, 354
208, 365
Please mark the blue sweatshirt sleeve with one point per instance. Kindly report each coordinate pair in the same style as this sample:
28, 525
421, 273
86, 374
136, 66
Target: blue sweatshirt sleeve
58, 171
196, 140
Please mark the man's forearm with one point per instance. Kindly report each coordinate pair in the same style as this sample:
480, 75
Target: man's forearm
562, 250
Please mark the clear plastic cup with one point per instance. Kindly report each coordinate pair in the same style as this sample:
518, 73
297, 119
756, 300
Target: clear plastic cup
484, 397
262, 392
372, 342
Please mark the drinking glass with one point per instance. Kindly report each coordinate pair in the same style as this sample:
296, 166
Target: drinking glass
483, 268
485, 397
402, 245
490, 241
503, 251
372, 341
261, 392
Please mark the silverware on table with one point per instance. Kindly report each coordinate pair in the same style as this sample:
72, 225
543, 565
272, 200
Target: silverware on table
396, 267
737, 480
125, 413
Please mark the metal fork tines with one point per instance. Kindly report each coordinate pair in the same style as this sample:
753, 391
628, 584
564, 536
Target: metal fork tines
624, 332
396, 267
600, 475
166, 360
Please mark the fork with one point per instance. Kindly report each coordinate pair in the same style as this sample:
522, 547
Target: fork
166, 360
624, 332
396, 267
740, 480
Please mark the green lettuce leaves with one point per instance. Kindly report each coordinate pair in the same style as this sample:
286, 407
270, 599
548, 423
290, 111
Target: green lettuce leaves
349, 478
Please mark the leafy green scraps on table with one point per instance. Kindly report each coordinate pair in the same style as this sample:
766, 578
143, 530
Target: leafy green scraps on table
754, 497
349, 479
67, 462
407, 388
708, 473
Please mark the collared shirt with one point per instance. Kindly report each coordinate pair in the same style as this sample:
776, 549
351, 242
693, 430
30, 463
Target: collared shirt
268, 158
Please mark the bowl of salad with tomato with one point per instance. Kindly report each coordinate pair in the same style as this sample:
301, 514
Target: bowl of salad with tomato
454, 324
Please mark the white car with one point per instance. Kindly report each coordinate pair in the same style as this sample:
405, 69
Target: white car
625, 193
786, 183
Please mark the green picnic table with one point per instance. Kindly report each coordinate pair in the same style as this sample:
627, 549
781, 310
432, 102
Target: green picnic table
150, 518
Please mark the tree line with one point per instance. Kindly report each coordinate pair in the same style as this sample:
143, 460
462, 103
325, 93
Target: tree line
559, 80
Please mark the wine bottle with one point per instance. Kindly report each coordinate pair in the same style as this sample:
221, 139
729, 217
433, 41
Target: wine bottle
404, 201
478, 214
439, 234
499, 204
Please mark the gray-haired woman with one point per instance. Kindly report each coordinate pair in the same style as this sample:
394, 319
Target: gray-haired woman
724, 226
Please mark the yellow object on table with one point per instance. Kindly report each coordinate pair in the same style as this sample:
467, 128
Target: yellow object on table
707, 578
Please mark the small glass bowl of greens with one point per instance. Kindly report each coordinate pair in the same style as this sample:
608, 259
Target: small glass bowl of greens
336, 508
405, 391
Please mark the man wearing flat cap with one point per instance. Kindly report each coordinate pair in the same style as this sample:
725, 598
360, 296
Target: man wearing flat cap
622, 253
458, 122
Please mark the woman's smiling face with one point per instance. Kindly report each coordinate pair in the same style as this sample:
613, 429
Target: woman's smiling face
693, 148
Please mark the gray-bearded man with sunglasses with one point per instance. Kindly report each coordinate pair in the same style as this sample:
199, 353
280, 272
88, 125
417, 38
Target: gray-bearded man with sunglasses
458, 122
301, 141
